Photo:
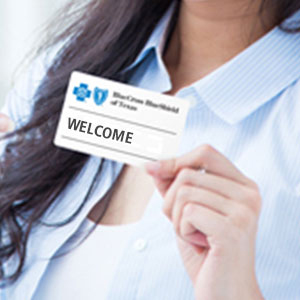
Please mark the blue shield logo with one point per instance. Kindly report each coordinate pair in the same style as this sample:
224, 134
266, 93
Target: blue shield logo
100, 96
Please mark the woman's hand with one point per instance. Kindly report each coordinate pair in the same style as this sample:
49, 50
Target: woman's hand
215, 216
6, 124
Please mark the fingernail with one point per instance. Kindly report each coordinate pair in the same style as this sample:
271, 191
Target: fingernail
153, 166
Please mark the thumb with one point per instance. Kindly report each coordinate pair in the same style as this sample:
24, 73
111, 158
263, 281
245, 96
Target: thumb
163, 172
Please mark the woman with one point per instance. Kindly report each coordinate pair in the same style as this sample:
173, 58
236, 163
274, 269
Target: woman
222, 221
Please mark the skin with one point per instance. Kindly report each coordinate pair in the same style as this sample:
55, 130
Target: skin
211, 32
215, 217
6, 124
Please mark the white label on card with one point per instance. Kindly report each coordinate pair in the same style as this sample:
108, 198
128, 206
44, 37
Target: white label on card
119, 121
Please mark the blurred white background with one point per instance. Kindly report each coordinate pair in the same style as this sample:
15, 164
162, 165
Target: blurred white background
20, 22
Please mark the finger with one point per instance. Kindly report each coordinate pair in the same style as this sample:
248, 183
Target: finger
197, 239
6, 124
217, 185
199, 218
203, 156
189, 194
162, 184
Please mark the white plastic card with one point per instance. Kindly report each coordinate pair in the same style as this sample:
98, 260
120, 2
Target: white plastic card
119, 121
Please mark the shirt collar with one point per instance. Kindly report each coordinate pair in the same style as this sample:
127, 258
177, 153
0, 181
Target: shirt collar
253, 77
243, 84
157, 38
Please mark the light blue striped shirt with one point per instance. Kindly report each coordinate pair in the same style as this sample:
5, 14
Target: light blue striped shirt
248, 109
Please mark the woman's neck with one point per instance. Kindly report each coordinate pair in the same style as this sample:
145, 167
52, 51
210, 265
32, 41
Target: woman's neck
209, 33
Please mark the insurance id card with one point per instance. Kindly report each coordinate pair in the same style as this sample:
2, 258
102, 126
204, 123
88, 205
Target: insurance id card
120, 122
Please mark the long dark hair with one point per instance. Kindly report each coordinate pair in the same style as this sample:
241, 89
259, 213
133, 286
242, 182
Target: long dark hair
100, 38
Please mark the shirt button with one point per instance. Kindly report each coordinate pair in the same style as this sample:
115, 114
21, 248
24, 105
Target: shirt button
140, 244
